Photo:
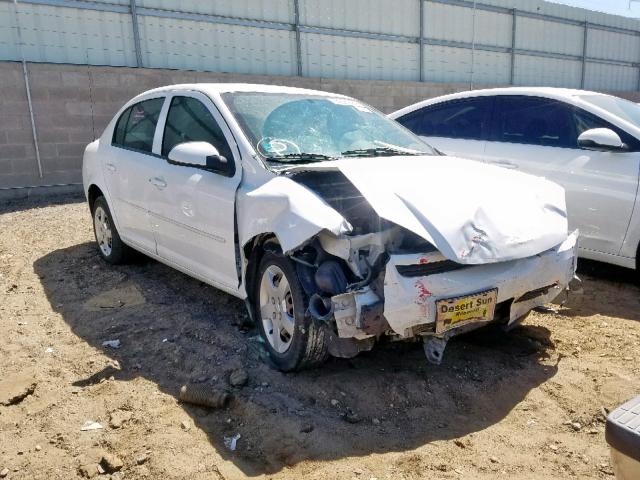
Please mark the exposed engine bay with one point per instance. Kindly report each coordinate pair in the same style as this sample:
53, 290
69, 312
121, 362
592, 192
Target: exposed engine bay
382, 254
344, 277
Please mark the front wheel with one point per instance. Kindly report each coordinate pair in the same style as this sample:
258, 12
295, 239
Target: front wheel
294, 341
110, 246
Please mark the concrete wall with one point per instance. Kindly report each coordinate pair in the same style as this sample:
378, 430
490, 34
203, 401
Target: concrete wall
72, 105
522, 42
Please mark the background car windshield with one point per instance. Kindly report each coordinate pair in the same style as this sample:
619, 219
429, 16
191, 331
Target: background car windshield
286, 127
624, 109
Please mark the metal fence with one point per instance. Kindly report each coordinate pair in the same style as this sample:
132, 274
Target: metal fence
524, 42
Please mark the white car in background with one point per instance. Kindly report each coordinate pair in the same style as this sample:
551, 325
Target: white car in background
337, 225
585, 141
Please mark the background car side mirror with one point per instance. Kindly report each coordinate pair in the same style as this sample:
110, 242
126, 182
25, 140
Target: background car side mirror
602, 139
201, 155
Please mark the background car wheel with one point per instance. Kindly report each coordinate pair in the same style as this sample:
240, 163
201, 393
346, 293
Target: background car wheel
110, 246
294, 341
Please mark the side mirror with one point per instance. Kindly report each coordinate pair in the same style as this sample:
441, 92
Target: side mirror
201, 155
602, 139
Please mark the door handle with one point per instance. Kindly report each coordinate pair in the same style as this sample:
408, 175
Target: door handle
504, 164
111, 167
158, 182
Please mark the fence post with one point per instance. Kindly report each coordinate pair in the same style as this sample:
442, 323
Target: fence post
296, 18
584, 53
27, 87
136, 33
421, 41
514, 15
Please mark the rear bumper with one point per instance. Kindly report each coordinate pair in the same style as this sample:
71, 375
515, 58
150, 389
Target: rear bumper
410, 301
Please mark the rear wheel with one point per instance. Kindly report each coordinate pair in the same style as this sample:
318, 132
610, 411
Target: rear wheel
294, 341
110, 246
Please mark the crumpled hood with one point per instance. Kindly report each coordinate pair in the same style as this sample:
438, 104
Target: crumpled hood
472, 212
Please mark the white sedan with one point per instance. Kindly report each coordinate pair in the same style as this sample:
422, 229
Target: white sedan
337, 225
587, 142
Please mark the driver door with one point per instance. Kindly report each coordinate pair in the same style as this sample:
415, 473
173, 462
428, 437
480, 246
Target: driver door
193, 210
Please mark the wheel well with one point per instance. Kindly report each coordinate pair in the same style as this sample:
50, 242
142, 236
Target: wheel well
253, 251
93, 193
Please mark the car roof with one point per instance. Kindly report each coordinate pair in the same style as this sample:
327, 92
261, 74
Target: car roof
566, 94
218, 88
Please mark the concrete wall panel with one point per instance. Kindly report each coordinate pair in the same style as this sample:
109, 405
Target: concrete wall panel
455, 23
536, 71
70, 35
400, 17
610, 77
614, 46
547, 36
268, 10
18, 164
184, 44
358, 58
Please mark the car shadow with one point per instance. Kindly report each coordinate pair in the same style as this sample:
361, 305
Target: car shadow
620, 298
174, 330
20, 204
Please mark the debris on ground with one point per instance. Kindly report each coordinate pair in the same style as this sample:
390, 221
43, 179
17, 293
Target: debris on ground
111, 343
232, 442
238, 378
204, 395
90, 425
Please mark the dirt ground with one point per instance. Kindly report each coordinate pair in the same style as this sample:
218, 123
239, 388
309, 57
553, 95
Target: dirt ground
528, 404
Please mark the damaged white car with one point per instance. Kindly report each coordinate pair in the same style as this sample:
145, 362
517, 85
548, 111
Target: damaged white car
338, 226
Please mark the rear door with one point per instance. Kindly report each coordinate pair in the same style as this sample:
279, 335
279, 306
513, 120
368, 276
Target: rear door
540, 136
193, 210
128, 165
456, 127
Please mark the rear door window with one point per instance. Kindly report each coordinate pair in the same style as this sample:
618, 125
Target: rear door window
137, 125
533, 121
466, 119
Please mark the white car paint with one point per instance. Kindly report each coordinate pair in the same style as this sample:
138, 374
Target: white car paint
202, 223
601, 186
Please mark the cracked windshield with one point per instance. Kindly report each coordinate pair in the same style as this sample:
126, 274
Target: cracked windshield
293, 128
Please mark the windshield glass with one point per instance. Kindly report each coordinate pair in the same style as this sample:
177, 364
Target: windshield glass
296, 128
624, 109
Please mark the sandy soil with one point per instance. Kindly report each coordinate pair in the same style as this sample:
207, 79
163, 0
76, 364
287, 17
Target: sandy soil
528, 405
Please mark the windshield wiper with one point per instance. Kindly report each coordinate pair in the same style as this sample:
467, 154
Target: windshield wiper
302, 157
377, 152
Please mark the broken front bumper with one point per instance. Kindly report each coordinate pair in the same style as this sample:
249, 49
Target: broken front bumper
413, 283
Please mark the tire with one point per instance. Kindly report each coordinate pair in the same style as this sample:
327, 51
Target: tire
292, 338
110, 246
